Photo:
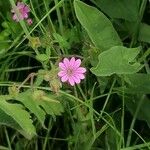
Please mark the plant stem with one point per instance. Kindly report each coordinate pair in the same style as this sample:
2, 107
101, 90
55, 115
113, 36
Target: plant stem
82, 93
148, 146
59, 18
91, 112
46, 138
122, 117
37, 19
7, 137
133, 121
137, 24
49, 18
108, 96
135, 147
71, 98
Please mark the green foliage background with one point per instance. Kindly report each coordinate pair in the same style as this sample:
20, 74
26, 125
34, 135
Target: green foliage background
109, 110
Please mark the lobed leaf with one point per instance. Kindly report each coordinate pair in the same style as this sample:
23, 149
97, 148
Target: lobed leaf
26, 99
119, 60
19, 115
40, 103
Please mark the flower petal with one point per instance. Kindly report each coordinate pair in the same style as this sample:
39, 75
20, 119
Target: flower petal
81, 76
77, 63
66, 62
26, 9
25, 15
72, 61
14, 17
23, 10
81, 70
71, 71
64, 78
29, 21
76, 79
61, 73
71, 81
20, 6
62, 66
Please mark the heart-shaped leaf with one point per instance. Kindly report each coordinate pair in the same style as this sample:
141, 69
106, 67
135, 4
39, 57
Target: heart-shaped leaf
119, 60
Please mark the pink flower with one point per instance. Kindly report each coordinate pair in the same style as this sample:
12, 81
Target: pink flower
29, 21
23, 11
71, 71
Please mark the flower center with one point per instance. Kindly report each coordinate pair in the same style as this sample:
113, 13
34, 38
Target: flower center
21, 11
69, 72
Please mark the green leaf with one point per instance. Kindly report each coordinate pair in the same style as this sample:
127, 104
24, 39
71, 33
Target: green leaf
144, 33
72, 35
138, 83
51, 105
15, 29
4, 148
37, 99
25, 1
119, 60
97, 25
122, 9
132, 103
42, 57
103, 81
40, 77
19, 115
61, 40
111, 139
7, 120
5, 24
27, 100
48, 51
